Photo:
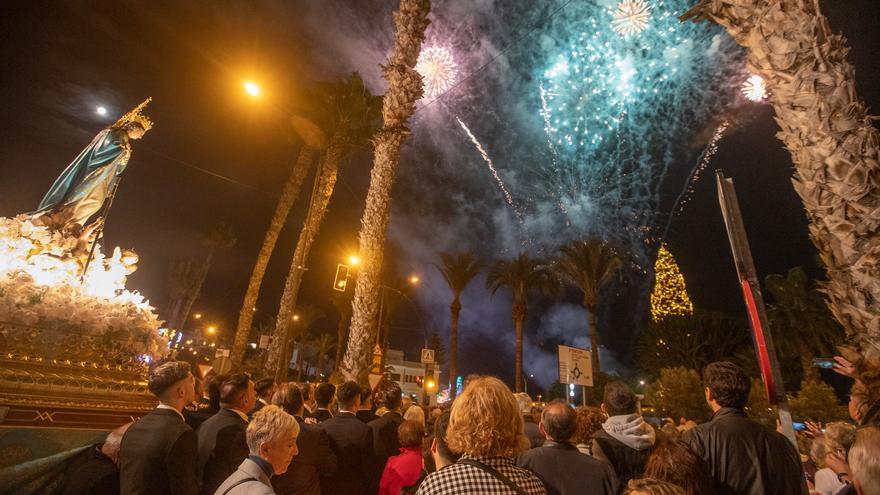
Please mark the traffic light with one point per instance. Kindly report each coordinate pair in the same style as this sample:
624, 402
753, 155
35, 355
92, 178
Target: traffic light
340, 283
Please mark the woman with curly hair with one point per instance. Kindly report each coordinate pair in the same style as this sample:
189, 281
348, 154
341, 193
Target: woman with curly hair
650, 486
486, 427
589, 421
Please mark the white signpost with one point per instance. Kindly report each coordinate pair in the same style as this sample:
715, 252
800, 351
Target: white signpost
575, 367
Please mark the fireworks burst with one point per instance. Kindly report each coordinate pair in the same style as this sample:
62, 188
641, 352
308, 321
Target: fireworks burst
488, 160
754, 89
438, 70
631, 17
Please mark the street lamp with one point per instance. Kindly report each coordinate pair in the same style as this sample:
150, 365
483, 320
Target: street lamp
354, 260
252, 88
212, 330
197, 316
413, 279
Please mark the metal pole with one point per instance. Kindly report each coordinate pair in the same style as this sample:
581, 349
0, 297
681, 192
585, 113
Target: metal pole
100, 230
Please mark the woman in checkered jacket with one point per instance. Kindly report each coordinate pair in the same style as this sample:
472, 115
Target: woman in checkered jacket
485, 426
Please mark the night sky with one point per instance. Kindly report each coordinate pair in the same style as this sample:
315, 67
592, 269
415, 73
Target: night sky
215, 155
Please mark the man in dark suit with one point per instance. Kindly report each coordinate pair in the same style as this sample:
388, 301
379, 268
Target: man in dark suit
93, 471
324, 396
265, 388
159, 452
315, 458
222, 437
196, 414
559, 464
365, 411
351, 441
384, 430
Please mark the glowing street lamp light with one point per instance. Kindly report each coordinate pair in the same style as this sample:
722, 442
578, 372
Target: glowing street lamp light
413, 279
212, 330
252, 88
353, 260
295, 317
197, 316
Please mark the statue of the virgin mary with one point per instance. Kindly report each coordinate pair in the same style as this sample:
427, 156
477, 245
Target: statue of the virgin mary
86, 184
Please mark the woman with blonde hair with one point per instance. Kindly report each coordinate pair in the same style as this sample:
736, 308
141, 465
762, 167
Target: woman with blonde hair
486, 427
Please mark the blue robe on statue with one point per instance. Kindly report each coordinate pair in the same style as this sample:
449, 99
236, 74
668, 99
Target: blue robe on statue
83, 187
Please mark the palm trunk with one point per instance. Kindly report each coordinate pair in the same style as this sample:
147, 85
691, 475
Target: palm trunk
455, 310
314, 218
833, 143
341, 331
404, 89
519, 318
289, 195
197, 289
593, 322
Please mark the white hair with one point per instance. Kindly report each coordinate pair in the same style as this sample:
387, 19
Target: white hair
270, 424
524, 402
415, 413
864, 459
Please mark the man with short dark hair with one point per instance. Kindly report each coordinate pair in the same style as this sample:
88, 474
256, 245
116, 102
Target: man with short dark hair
265, 388
324, 396
384, 429
365, 411
223, 436
159, 452
351, 441
744, 457
559, 464
625, 440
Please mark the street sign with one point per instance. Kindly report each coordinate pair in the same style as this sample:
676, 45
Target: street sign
222, 365
575, 366
220, 352
265, 340
427, 356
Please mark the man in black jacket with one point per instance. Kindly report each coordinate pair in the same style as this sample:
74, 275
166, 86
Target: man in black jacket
384, 429
365, 411
351, 441
324, 395
265, 388
315, 458
559, 464
93, 471
159, 452
222, 437
744, 457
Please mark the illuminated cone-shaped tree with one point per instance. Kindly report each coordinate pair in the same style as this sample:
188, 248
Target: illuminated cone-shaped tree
834, 148
404, 89
670, 297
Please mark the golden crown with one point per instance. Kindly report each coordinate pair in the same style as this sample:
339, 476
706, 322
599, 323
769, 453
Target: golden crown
135, 115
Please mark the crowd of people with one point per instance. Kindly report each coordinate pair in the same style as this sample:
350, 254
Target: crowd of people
259, 438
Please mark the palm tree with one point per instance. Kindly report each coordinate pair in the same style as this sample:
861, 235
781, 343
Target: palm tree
351, 111
834, 148
458, 269
589, 265
800, 318
192, 275
342, 302
289, 194
324, 343
523, 275
404, 89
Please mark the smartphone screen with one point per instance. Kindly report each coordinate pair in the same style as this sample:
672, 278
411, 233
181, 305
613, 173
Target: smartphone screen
826, 363
799, 426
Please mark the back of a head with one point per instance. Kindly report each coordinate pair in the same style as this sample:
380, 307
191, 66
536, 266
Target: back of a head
366, 397
485, 420
650, 486
269, 424
233, 388
264, 385
324, 394
673, 461
214, 390
306, 390
348, 394
415, 413
728, 384
165, 376
388, 395
410, 434
619, 399
440, 427
839, 436
524, 402
589, 421
864, 459
289, 398
559, 420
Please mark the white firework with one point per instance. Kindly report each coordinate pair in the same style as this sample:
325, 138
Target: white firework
438, 70
754, 89
631, 17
